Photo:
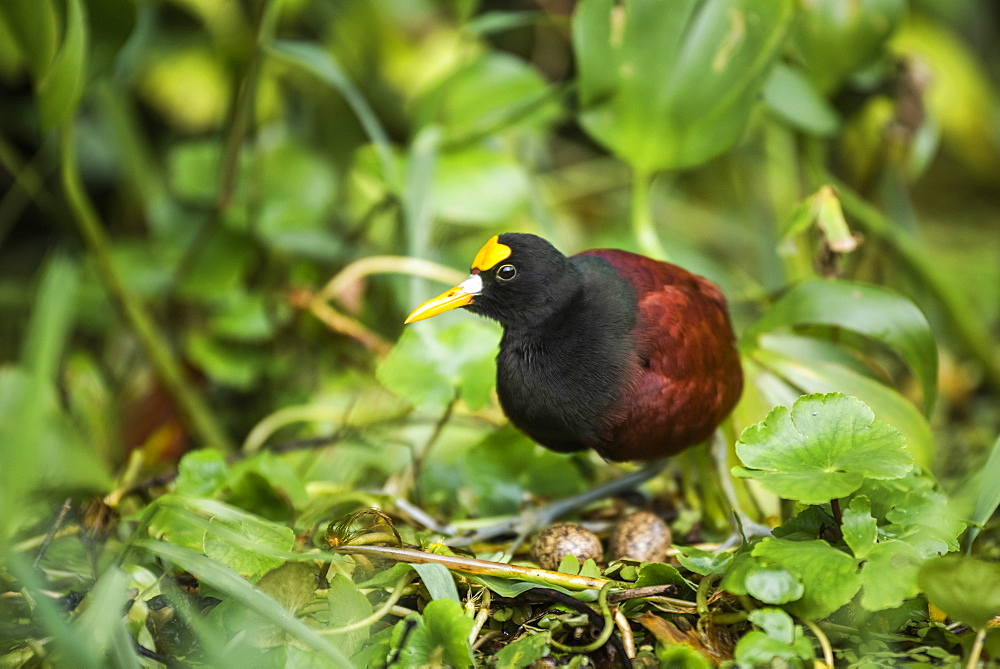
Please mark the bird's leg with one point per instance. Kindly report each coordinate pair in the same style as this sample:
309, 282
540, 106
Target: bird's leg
529, 521
743, 526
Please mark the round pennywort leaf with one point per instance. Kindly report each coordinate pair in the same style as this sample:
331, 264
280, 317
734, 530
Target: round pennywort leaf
822, 449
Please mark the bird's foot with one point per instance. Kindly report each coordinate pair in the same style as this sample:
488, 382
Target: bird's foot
526, 523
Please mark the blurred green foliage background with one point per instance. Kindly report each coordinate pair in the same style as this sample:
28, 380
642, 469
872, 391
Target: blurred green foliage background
191, 174
215, 214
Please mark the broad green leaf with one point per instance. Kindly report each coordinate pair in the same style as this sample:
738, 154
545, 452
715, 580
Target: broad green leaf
229, 364
34, 27
859, 527
833, 39
889, 575
293, 585
755, 648
440, 637
240, 549
776, 624
674, 83
449, 628
964, 588
791, 96
438, 581
493, 93
201, 473
772, 585
872, 311
523, 652
918, 514
429, 367
60, 89
658, 573
347, 605
681, 656
829, 577
236, 588
779, 638
478, 186
818, 375
702, 562
989, 494
822, 449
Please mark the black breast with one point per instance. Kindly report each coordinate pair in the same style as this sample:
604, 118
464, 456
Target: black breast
559, 379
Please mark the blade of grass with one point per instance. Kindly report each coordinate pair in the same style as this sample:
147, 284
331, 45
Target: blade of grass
25, 391
101, 623
232, 585
989, 496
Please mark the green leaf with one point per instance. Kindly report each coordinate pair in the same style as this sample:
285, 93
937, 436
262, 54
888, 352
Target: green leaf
917, 512
494, 92
240, 548
478, 186
791, 96
201, 473
59, 91
775, 623
779, 638
34, 27
506, 587
832, 42
889, 575
772, 585
829, 577
963, 588
816, 375
347, 605
680, 656
523, 652
859, 527
658, 573
430, 367
440, 637
674, 83
229, 364
872, 311
989, 494
822, 449
703, 562
234, 587
438, 581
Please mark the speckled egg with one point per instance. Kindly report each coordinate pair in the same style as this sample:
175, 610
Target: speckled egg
561, 539
641, 536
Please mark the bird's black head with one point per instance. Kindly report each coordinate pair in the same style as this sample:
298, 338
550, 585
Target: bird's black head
517, 279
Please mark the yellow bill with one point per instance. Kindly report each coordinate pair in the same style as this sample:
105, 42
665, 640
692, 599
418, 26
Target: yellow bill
459, 296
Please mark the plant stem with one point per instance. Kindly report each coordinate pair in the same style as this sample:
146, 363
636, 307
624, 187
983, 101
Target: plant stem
824, 642
838, 515
642, 216
609, 627
977, 648
168, 368
482, 567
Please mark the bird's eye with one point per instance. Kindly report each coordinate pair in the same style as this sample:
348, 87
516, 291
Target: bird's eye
506, 272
